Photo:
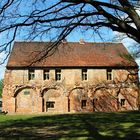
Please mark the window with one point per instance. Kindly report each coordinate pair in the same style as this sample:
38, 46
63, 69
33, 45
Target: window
50, 104
31, 74
83, 103
26, 92
58, 75
122, 102
84, 74
46, 74
109, 74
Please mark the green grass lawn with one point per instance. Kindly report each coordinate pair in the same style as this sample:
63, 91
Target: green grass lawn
94, 126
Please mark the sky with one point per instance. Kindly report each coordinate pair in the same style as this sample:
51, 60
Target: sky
88, 36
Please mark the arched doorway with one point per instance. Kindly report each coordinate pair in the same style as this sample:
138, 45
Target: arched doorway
25, 100
104, 101
53, 100
78, 101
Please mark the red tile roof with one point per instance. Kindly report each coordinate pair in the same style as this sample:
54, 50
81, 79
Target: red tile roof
70, 54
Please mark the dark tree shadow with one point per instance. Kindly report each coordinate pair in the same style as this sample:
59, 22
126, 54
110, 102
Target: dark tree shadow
98, 126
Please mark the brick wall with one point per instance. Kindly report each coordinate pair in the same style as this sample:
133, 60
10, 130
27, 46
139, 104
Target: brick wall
31, 96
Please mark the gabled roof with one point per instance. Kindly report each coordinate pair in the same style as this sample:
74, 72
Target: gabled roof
70, 54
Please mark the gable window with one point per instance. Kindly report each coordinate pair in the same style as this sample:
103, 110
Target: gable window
122, 102
83, 103
109, 74
31, 75
84, 74
50, 104
58, 75
46, 75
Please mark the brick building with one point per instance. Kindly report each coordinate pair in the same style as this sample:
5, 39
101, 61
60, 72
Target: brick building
76, 77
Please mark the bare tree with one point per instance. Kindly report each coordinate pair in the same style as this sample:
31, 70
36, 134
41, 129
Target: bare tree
56, 19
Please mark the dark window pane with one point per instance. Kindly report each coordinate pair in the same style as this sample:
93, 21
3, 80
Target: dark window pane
58, 75
83, 103
26, 92
84, 74
109, 74
50, 104
31, 74
46, 74
122, 102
